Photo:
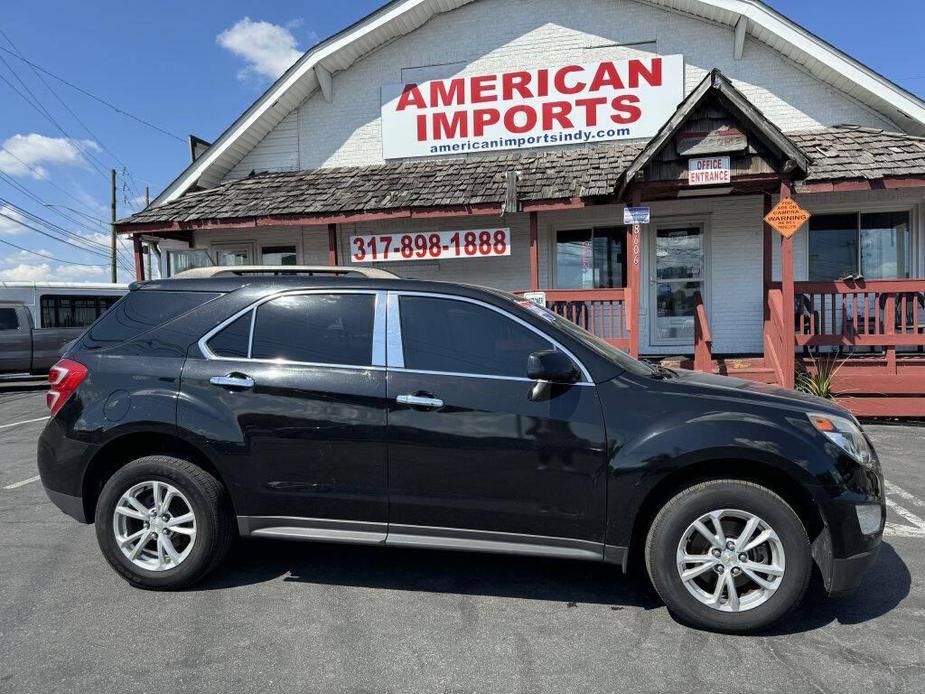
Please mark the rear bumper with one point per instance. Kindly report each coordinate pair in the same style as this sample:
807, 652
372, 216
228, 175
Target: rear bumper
71, 505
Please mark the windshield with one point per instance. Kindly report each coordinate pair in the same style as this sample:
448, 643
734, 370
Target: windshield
599, 345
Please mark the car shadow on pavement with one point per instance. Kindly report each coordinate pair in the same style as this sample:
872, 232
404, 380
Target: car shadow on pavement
433, 571
884, 587
569, 582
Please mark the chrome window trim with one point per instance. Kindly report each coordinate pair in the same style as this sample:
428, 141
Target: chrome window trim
395, 352
493, 377
378, 330
380, 322
395, 316
250, 334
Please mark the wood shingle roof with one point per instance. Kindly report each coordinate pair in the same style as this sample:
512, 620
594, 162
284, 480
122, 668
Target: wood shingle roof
838, 153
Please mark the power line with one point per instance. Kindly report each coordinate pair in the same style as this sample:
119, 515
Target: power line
35, 103
48, 257
95, 97
67, 108
51, 236
35, 198
41, 176
94, 247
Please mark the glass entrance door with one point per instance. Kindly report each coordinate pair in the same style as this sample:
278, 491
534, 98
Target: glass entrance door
677, 274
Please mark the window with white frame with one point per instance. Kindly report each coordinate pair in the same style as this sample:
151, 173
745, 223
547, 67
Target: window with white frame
178, 261
873, 245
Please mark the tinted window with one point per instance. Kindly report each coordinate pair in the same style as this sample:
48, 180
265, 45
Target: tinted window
833, 246
68, 311
591, 258
233, 340
316, 328
278, 255
139, 312
8, 320
459, 337
886, 251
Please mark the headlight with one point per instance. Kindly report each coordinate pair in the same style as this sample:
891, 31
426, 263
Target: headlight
845, 434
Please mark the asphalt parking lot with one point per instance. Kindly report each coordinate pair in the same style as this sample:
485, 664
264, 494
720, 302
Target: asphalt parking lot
290, 617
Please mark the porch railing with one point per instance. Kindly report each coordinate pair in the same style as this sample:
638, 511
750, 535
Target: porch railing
874, 316
602, 312
877, 313
703, 337
778, 338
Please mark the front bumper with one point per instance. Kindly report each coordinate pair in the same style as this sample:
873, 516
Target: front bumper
847, 574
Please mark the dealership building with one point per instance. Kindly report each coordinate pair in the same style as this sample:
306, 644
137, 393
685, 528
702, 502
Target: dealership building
614, 159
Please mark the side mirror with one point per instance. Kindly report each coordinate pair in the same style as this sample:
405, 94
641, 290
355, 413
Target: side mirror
551, 366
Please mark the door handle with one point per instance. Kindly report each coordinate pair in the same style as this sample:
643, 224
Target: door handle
232, 381
420, 401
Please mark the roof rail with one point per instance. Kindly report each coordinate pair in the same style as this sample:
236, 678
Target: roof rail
278, 270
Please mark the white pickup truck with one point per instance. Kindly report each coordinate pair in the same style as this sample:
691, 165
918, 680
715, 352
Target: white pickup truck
38, 320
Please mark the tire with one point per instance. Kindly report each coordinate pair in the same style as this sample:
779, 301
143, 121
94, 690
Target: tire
754, 606
195, 490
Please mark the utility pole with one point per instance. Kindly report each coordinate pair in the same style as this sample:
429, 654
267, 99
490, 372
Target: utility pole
150, 246
114, 272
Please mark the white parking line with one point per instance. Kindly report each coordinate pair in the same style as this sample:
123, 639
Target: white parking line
25, 421
914, 526
17, 485
903, 494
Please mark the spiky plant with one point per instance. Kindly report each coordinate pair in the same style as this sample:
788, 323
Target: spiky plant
819, 380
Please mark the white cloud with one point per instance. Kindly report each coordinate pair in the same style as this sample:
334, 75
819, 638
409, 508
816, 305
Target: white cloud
38, 270
25, 155
267, 48
9, 227
21, 266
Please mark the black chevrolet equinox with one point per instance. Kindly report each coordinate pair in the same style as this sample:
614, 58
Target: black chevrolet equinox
354, 406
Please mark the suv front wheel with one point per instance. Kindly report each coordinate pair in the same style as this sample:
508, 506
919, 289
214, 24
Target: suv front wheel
728, 555
163, 523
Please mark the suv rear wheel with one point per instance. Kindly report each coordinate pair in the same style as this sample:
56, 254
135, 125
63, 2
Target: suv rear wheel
163, 523
728, 555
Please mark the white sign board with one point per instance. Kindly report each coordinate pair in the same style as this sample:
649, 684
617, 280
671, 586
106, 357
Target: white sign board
636, 215
708, 171
430, 245
595, 102
538, 298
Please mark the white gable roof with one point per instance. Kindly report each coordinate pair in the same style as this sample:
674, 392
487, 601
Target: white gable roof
401, 17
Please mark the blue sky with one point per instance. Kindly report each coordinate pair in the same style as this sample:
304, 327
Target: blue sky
191, 68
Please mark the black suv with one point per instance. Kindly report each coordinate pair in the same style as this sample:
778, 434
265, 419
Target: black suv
358, 407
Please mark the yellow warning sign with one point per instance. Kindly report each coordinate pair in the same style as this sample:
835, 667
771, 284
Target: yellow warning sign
787, 217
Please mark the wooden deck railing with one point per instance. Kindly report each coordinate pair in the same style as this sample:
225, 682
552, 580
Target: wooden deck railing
602, 312
877, 314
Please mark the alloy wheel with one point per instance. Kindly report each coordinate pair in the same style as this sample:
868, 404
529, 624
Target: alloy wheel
154, 525
731, 560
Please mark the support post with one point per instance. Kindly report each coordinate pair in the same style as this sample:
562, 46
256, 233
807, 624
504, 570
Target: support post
139, 258
534, 252
633, 269
767, 257
149, 248
332, 245
112, 233
788, 358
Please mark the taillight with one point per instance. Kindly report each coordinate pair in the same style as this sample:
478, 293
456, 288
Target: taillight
63, 379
